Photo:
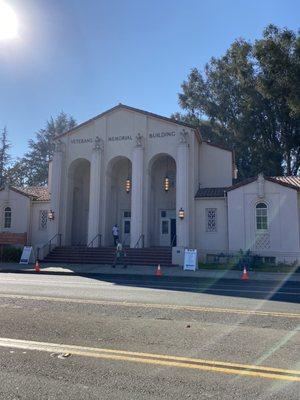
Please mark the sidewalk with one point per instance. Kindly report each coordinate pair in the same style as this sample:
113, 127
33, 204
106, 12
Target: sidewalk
90, 269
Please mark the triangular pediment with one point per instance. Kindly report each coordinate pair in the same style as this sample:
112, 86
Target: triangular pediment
121, 108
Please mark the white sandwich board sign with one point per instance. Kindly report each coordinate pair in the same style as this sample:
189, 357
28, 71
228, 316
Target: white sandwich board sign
190, 260
27, 255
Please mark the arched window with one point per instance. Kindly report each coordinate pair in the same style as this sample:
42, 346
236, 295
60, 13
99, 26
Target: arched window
7, 217
261, 217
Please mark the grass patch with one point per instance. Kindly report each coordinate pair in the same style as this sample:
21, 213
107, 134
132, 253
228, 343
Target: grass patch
285, 268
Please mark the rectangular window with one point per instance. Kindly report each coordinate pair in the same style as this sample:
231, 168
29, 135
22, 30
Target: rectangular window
43, 220
127, 214
211, 219
126, 227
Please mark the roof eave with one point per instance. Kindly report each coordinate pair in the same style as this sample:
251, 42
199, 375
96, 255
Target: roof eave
210, 197
267, 178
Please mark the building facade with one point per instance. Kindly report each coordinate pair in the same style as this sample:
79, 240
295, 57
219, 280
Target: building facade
162, 184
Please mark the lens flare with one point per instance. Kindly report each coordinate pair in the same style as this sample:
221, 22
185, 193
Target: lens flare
8, 22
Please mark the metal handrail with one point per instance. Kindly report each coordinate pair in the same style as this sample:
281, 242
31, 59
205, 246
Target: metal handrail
173, 240
49, 243
99, 241
142, 237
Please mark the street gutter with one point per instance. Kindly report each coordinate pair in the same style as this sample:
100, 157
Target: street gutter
92, 269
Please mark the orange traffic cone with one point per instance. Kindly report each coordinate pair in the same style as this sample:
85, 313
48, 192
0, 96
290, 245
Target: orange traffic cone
158, 271
37, 266
245, 275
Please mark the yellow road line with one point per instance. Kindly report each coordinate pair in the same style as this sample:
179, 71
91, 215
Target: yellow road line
277, 314
156, 359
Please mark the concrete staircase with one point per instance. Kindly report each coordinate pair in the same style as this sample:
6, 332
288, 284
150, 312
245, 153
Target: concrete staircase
151, 256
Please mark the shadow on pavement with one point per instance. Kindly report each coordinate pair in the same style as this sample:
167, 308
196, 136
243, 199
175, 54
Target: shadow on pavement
285, 290
265, 290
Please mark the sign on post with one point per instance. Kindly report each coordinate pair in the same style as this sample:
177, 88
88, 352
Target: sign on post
27, 255
190, 260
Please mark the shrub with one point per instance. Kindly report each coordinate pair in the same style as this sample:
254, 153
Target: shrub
11, 254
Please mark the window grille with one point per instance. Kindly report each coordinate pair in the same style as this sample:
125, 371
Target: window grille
211, 219
43, 220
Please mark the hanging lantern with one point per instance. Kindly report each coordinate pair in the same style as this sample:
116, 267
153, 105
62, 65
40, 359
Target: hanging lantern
128, 185
166, 184
181, 213
51, 215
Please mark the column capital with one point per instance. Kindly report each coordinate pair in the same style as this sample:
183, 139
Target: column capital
98, 144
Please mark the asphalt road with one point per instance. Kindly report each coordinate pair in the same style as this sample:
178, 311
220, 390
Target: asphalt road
125, 337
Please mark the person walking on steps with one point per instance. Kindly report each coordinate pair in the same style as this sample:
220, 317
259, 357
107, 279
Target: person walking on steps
120, 257
115, 233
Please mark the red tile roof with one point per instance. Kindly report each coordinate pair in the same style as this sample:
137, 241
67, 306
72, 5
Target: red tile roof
39, 193
211, 192
292, 182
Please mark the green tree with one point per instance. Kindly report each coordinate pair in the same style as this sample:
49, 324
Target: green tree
17, 173
278, 60
5, 157
32, 169
244, 110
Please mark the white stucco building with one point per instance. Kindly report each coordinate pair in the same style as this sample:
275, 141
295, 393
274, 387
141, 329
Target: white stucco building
162, 184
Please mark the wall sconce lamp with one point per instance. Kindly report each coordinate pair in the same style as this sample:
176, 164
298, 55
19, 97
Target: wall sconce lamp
181, 213
51, 215
128, 185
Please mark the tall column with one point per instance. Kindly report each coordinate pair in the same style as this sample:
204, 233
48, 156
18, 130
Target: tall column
95, 192
182, 190
137, 192
55, 189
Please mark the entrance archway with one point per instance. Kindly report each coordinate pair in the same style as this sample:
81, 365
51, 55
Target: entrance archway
118, 203
79, 195
162, 209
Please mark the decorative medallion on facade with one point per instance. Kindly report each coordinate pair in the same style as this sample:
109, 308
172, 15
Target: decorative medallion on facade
261, 186
139, 140
59, 146
183, 136
99, 144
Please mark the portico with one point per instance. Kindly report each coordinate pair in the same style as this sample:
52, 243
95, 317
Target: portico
129, 168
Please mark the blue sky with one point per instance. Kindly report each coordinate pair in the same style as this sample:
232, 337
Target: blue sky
85, 56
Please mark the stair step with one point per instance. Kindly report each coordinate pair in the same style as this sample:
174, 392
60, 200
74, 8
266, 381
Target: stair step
106, 255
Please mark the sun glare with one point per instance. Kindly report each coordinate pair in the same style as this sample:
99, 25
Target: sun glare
8, 22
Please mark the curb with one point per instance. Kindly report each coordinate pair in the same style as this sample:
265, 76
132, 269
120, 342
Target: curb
167, 273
